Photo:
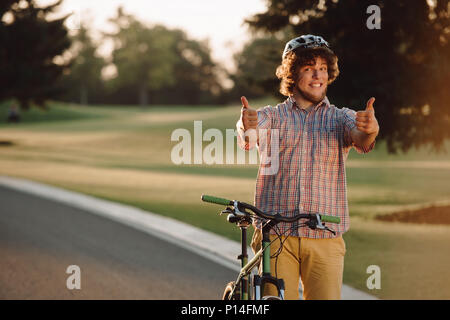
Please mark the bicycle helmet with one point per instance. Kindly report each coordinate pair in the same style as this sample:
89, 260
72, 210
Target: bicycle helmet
305, 41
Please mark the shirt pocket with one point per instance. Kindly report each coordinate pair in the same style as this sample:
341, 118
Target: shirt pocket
325, 149
288, 136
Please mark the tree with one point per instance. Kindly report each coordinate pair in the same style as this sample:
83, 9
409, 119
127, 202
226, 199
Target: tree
405, 64
163, 64
31, 43
84, 81
142, 56
255, 66
196, 75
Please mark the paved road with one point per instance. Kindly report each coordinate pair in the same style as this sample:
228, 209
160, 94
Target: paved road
40, 238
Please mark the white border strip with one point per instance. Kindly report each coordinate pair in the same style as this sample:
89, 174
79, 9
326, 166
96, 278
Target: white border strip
204, 243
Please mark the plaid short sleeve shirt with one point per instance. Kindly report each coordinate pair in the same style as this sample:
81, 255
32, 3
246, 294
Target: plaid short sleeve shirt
302, 163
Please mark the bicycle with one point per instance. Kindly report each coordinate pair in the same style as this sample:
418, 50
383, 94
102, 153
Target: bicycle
244, 288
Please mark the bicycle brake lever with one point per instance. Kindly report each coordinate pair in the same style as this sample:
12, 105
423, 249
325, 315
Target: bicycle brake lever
331, 230
321, 226
227, 210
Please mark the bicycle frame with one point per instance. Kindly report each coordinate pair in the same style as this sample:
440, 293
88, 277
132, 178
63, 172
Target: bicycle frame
247, 266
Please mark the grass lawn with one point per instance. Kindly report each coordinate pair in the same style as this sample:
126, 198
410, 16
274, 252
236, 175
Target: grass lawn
124, 154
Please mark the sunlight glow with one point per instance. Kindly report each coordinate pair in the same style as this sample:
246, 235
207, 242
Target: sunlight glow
219, 22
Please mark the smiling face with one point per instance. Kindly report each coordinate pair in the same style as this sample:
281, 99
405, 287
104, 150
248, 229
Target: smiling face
312, 81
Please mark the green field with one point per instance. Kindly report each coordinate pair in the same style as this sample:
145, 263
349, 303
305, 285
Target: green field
124, 154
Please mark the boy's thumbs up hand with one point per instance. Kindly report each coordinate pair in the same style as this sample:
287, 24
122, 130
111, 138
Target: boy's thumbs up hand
365, 120
249, 116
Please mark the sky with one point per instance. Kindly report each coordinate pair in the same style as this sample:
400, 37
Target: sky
220, 21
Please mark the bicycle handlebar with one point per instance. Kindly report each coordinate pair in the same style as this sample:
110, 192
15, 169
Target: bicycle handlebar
259, 213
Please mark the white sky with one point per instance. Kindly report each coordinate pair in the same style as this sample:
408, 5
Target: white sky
220, 21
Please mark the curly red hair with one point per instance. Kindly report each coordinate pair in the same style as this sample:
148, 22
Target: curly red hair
287, 72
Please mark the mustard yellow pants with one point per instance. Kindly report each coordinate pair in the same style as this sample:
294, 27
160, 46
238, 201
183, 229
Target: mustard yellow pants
319, 263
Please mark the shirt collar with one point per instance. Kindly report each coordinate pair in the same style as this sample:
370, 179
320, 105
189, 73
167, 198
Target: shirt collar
291, 102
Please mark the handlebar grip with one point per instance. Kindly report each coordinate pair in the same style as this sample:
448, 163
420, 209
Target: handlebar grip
331, 219
216, 200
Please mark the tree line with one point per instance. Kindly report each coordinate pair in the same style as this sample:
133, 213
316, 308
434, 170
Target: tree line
153, 65
405, 63
42, 60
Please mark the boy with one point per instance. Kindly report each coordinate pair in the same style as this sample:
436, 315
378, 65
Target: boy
312, 142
